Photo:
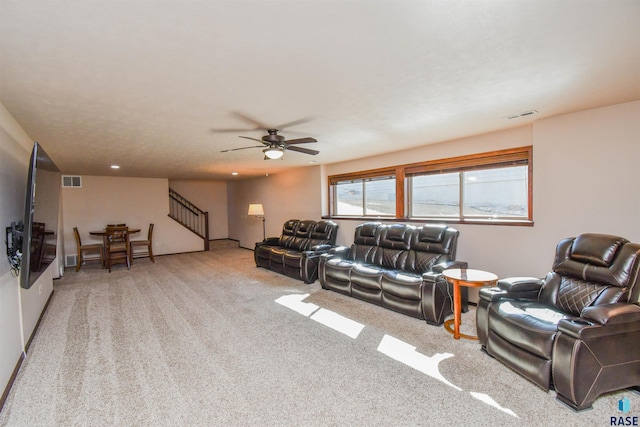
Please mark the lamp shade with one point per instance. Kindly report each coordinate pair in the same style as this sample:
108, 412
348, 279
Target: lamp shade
256, 209
273, 153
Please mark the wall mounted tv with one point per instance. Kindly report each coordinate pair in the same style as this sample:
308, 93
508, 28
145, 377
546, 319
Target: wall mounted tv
40, 217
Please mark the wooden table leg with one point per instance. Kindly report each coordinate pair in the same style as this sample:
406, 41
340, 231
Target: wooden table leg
457, 310
453, 325
468, 278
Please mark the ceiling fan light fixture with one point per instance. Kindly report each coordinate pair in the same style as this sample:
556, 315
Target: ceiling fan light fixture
274, 153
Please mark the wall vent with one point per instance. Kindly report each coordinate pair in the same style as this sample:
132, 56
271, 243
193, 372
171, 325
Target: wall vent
71, 260
71, 181
523, 114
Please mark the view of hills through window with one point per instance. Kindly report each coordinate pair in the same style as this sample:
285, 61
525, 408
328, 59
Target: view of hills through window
485, 193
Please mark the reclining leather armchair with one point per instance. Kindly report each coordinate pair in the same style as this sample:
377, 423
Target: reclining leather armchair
578, 330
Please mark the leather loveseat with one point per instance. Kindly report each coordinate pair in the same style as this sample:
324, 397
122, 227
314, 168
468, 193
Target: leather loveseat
396, 266
578, 329
296, 253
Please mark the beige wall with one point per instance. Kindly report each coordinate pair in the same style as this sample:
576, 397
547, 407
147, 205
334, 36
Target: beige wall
19, 308
290, 194
136, 202
210, 196
586, 174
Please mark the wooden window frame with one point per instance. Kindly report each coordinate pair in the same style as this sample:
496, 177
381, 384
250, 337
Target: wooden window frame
487, 160
360, 176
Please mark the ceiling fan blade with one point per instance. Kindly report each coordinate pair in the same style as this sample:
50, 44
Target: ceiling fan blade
254, 139
241, 148
303, 150
230, 130
258, 124
293, 123
300, 141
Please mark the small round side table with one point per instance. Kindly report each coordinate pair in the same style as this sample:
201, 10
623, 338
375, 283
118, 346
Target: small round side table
464, 277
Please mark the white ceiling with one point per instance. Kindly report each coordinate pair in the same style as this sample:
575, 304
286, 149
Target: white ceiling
143, 83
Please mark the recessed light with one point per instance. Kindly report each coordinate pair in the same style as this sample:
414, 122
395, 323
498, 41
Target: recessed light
115, 167
234, 173
312, 162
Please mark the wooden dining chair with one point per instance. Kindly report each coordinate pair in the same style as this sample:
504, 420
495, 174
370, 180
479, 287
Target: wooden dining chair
118, 237
91, 252
118, 249
147, 244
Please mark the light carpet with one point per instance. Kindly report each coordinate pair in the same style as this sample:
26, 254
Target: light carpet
210, 339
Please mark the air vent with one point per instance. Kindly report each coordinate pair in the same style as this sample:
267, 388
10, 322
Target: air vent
71, 260
71, 181
523, 114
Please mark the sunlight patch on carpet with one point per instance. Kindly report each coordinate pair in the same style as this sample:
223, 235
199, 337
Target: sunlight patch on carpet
407, 354
342, 324
328, 318
489, 401
294, 302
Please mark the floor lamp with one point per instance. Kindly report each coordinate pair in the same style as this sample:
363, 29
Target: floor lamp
256, 209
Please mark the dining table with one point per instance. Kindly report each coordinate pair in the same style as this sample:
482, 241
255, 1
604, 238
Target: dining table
103, 233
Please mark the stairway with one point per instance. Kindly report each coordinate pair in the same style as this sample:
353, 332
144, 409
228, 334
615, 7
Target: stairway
189, 216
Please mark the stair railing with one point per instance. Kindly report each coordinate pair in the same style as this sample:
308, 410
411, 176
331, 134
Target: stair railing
190, 216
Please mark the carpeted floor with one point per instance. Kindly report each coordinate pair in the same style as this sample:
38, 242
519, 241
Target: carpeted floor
209, 339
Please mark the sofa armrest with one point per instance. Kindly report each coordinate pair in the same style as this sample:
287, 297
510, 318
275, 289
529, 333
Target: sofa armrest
320, 248
520, 284
491, 294
338, 252
439, 268
434, 283
315, 252
603, 320
612, 314
512, 287
272, 241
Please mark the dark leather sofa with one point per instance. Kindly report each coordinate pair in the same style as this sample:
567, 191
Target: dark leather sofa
396, 266
577, 330
296, 253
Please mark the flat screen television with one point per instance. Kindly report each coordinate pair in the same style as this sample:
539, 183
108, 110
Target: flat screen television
40, 234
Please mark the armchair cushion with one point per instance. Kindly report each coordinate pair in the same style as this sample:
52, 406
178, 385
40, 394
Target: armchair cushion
529, 325
597, 250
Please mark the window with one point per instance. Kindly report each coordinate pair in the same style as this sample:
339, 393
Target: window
435, 196
486, 194
365, 197
494, 186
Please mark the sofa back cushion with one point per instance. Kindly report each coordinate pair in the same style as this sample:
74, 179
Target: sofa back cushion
365, 242
395, 241
431, 244
403, 246
300, 239
323, 233
435, 238
288, 232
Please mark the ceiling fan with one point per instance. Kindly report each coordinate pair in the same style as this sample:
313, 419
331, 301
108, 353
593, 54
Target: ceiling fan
276, 145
